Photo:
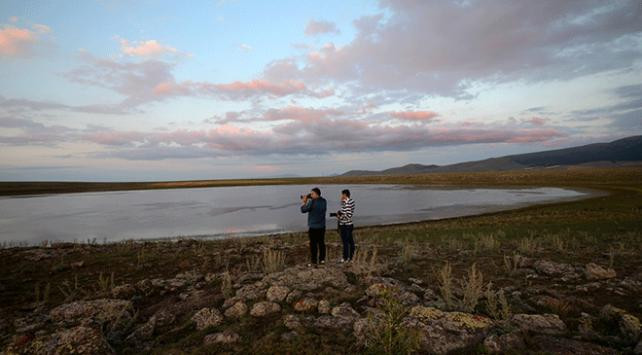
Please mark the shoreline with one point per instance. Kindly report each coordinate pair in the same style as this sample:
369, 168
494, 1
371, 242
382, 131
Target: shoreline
589, 194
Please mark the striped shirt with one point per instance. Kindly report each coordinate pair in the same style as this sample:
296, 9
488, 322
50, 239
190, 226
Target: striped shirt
347, 210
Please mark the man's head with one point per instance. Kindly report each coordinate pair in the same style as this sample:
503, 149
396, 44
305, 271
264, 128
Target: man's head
315, 192
345, 194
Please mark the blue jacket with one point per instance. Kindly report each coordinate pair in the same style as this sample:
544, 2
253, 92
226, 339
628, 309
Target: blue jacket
316, 212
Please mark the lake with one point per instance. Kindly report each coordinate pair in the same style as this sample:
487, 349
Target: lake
239, 211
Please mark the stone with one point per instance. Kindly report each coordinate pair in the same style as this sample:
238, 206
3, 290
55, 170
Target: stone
76, 340
504, 343
593, 271
551, 268
324, 307
264, 308
277, 293
226, 337
125, 291
251, 292
293, 296
308, 279
307, 304
344, 310
100, 310
630, 327
550, 324
292, 321
207, 317
238, 310
378, 289
329, 322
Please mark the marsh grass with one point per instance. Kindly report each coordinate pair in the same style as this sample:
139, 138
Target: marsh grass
388, 335
105, 283
471, 286
497, 306
528, 245
445, 279
272, 260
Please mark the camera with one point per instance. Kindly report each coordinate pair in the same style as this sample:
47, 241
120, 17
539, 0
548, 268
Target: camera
333, 215
308, 196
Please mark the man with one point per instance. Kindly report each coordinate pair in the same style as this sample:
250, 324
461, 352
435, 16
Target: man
315, 206
345, 225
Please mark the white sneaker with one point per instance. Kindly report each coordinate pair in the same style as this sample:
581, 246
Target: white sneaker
341, 261
322, 262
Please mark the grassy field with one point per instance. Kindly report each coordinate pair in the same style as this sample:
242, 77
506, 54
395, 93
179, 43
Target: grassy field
606, 230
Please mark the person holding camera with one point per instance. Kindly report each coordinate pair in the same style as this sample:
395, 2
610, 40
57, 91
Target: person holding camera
315, 206
344, 215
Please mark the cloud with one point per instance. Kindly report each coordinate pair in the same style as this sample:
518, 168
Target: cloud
245, 47
414, 115
447, 47
314, 28
149, 48
16, 41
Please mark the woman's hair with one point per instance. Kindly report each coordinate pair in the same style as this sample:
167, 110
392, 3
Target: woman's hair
346, 192
316, 189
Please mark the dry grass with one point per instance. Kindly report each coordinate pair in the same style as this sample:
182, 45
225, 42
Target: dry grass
497, 305
445, 278
472, 286
226, 284
273, 260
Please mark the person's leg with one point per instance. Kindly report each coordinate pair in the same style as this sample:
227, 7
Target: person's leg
321, 239
350, 239
313, 246
344, 240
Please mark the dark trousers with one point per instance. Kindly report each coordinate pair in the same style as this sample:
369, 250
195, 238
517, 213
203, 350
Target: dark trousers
348, 241
317, 244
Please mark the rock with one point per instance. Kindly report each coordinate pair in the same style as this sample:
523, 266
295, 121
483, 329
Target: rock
308, 279
408, 298
630, 327
437, 331
77, 264
252, 292
415, 281
264, 308
277, 293
125, 291
292, 321
293, 296
207, 317
76, 340
593, 271
550, 268
329, 322
307, 304
344, 310
504, 343
546, 344
539, 323
238, 310
226, 337
378, 290
324, 307
101, 310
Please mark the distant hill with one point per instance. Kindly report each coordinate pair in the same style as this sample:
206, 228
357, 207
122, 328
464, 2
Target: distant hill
622, 150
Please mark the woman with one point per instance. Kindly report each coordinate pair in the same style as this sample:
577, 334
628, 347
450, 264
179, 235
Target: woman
345, 225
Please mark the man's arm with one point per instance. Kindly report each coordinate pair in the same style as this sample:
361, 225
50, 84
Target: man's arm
306, 206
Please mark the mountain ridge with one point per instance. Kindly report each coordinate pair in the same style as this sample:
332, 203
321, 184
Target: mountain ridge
628, 149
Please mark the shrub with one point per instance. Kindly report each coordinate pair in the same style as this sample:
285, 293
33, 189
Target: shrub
445, 279
388, 335
273, 260
472, 289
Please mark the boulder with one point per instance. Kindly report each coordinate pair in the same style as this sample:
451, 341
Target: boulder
226, 337
308, 279
264, 308
504, 343
550, 268
238, 310
344, 310
292, 321
207, 317
277, 293
593, 271
76, 340
539, 323
102, 310
324, 307
125, 291
307, 304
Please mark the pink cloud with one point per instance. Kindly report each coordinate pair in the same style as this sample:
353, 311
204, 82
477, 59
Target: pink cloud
15, 41
314, 28
414, 115
150, 48
258, 86
537, 121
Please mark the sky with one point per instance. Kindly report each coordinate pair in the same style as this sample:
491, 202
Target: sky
111, 90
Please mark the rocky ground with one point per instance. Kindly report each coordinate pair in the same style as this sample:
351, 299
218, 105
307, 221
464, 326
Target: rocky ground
563, 278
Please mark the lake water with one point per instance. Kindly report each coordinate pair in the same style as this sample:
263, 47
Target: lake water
226, 211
